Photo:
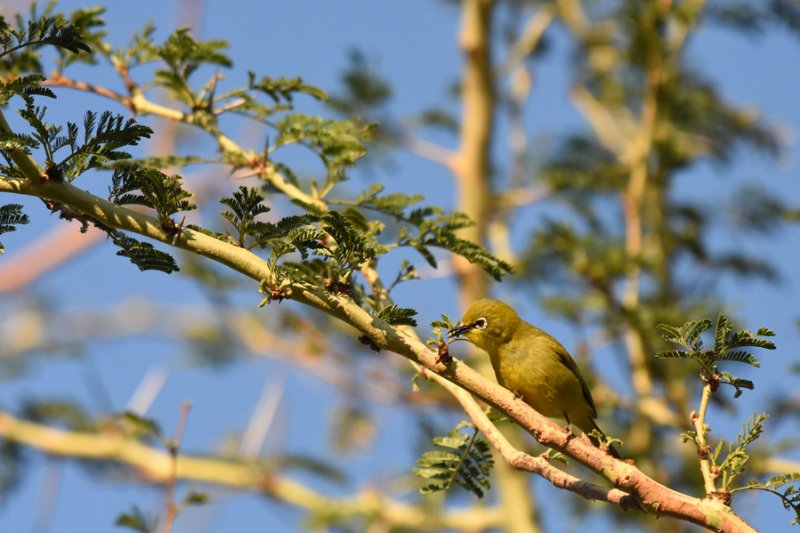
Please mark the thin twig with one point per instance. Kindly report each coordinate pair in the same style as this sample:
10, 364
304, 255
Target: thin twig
699, 420
174, 444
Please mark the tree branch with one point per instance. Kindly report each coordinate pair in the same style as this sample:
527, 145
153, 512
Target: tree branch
156, 466
699, 420
660, 499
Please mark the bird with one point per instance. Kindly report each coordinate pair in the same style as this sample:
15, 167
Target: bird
531, 363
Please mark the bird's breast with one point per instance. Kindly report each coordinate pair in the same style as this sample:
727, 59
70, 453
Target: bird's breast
529, 372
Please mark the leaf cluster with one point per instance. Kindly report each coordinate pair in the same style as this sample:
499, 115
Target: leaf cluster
440, 329
729, 345
398, 316
784, 486
436, 229
338, 143
21, 39
733, 463
755, 17
183, 55
11, 215
143, 254
426, 227
100, 143
365, 92
459, 458
26, 85
291, 233
151, 188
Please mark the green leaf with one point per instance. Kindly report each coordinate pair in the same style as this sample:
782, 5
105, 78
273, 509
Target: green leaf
137, 520
49, 29
674, 354
737, 383
398, 315
353, 245
58, 412
196, 498
687, 337
735, 463
722, 333
691, 331
245, 205
746, 338
101, 144
338, 143
445, 323
11, 215
26, 85
143, 254
459, 458
284, 89
437, 230
740, 357
139, 425
152, 188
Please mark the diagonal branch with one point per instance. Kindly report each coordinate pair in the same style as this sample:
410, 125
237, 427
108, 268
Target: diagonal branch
658, 498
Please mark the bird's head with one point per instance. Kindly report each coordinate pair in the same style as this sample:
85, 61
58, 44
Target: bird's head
487, 324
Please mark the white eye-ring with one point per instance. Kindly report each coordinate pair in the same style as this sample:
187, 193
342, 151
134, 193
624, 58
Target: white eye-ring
481, 323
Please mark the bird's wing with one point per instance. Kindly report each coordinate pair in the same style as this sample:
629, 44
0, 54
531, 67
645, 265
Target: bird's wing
568, 362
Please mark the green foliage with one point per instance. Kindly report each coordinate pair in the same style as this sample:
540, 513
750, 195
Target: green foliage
284, 89
440, 331
183, 56
27, 85
727, 344
101, 141
138, 520
11, 215
195, 498
398, 316
101, 144
406, 272
151, 188
245, 204
365, 92
338, 143
461, 459
755, 17
736, 458
790, 495
394, 205
143, 254
727, 460
423, 228
58, 412
138, 426
291, 233
19, 41
437, 230
352, 246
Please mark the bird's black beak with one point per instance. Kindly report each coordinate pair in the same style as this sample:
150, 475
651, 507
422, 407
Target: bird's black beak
459, 330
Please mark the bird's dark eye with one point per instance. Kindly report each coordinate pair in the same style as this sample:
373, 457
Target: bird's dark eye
481, 323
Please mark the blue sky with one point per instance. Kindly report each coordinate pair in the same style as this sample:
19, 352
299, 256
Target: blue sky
412, 43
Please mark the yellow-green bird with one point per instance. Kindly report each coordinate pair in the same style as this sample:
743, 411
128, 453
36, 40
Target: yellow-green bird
531, 363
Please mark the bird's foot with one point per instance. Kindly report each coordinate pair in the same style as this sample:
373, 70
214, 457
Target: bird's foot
568, 433
517, 394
